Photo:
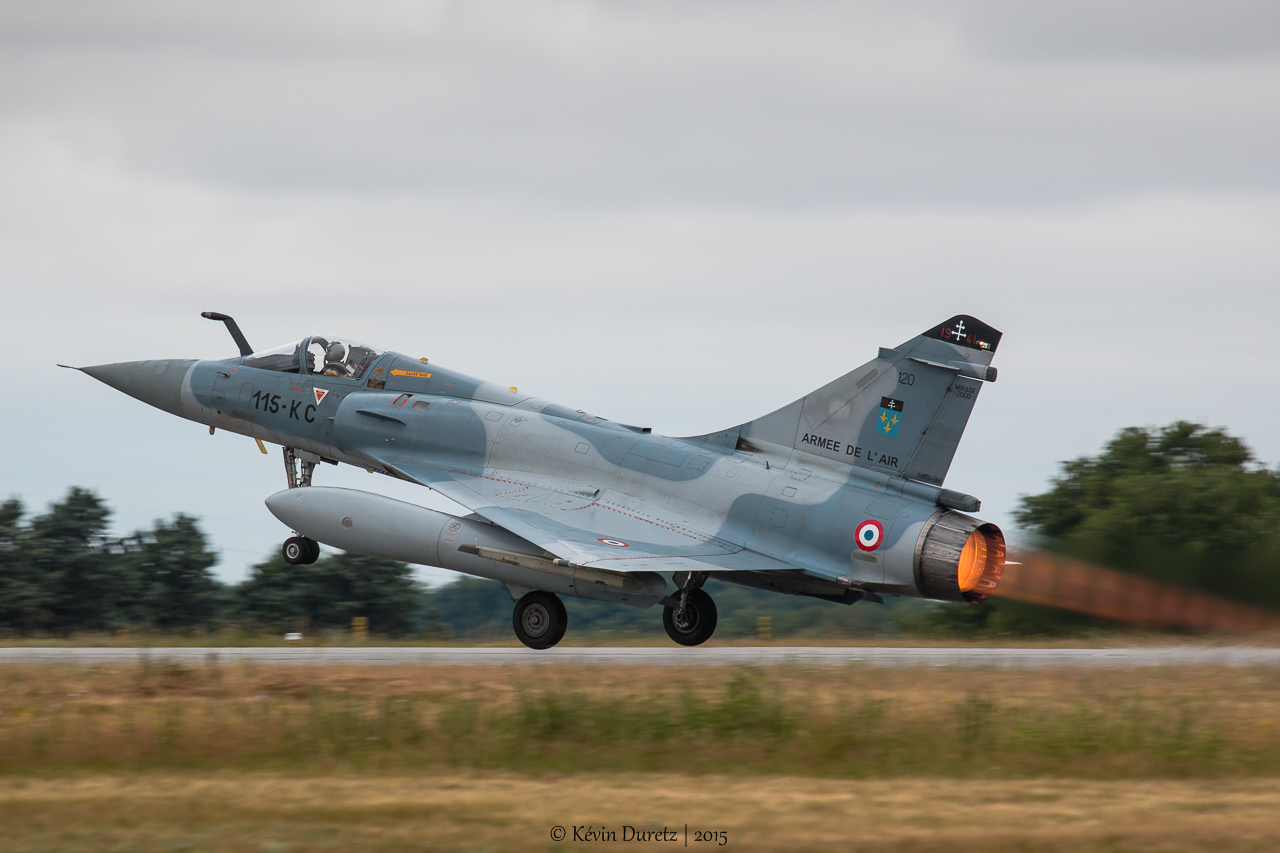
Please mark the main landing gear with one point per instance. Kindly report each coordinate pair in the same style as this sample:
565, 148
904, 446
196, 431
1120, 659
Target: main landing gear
540, 619
299, 550
692, 619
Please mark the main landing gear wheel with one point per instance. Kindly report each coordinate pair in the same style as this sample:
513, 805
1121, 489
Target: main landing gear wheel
696, 624
540, 619
300, 551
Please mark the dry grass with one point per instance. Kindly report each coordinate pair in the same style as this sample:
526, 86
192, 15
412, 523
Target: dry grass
236, 757
470, 811
833, 722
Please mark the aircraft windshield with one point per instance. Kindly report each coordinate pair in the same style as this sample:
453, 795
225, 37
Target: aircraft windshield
283, 358
341, 357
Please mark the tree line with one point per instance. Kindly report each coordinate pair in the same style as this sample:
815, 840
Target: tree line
61, 573
1183, 504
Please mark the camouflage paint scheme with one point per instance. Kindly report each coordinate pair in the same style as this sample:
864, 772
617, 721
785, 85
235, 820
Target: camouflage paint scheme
773, 503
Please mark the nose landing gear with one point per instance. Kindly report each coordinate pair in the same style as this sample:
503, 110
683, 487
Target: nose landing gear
292, 458
299, 550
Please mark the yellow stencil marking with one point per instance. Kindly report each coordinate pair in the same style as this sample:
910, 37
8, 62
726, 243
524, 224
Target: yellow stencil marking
411, 373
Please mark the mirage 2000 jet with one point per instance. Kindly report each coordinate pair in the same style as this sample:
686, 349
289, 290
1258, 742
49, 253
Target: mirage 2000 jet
836, 496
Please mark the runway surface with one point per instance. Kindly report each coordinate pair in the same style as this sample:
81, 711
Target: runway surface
663, 656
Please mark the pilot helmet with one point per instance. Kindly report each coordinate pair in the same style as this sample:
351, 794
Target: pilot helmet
335, 353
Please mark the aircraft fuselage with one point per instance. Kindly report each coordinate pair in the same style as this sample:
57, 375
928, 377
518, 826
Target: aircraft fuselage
827, 512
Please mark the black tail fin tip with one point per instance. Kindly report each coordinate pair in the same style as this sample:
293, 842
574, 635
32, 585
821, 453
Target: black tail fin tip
965, 331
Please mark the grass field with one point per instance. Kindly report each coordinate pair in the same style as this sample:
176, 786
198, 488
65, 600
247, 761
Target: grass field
241, 757
476, 811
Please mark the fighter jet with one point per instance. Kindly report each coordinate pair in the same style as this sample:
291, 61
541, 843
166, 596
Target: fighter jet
836, 496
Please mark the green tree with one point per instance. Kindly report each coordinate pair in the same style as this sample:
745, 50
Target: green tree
22, 596
327, 594
1184, 504
66, 551
168, 575
470, 606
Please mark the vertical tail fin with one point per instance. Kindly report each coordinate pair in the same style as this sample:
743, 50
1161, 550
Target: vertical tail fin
901, 414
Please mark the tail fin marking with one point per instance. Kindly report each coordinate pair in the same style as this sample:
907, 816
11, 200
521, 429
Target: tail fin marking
901, 414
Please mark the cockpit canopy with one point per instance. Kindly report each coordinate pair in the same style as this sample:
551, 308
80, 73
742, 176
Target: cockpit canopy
318, 355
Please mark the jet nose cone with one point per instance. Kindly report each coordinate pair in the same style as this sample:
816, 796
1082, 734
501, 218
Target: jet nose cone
157, 383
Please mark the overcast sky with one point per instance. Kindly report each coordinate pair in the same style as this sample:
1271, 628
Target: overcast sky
681, 215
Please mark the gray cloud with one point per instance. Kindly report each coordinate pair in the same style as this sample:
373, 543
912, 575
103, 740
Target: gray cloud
811, 107
1135, 30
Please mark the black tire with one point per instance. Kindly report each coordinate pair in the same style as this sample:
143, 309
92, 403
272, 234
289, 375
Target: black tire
562, 619
540, 620
313, 551
295, 550
699, 622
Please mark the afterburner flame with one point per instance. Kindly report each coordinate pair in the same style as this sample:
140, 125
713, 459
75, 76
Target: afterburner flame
960, 558
1043, 578
973, 559
982, 561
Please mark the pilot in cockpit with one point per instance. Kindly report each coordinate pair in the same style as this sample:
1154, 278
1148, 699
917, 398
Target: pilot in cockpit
332, 354
343, 359
335, 360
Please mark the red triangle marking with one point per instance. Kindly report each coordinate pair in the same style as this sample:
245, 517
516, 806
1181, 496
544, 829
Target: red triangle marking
320, 395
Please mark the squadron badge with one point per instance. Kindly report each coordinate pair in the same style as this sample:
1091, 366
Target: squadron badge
890, 416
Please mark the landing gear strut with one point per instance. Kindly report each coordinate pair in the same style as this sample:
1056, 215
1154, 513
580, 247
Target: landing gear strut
298, 479
299, 550
540, 619
692, 619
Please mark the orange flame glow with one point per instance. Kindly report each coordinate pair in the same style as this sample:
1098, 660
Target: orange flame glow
1042, 578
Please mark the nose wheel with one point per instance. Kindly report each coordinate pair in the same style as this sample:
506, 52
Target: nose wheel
300, 551
540, 620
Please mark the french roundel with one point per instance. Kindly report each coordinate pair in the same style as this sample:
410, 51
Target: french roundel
869, 534
617, 543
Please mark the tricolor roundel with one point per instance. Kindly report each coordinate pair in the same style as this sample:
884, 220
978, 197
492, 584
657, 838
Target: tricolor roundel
869, 534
